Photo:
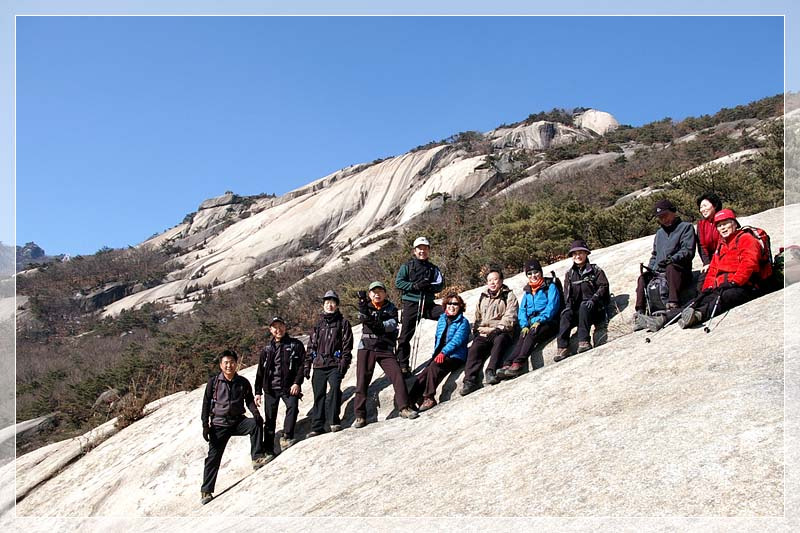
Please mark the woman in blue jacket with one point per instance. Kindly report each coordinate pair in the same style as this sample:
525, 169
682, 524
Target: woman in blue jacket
452, 335
537, 319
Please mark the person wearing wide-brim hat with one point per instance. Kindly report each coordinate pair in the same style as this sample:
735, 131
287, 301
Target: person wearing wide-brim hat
330, 352
378, 318
586, 295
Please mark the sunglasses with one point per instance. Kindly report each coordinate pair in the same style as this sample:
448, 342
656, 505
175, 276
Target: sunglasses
457, 304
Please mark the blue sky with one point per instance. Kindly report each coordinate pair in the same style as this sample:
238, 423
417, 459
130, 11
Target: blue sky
125, 124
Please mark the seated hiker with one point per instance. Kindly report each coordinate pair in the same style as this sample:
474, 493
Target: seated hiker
450, 351
280, 376
673, 251
378, 338
707, 235
537, 314
223, 417
330, 352
733, 273
495, 318
586, 296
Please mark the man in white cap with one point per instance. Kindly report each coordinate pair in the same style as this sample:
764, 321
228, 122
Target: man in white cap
418, 280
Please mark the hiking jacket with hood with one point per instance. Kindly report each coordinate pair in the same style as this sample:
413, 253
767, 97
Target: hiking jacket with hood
385, 338
735, 261
224, 401
496, 312
456, 336
589, 283
331, 343
292, 357
413, 271
540, 307
676, 242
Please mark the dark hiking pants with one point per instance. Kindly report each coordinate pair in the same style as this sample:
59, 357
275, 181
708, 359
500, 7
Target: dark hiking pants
677, 279
428, 380
581, 317
365, 367
728, 298
218, 439
271, 417
408, 325
526, 344
492, 346
326, 406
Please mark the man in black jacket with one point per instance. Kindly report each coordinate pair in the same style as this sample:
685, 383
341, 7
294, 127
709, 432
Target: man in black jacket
419, 280
223, 417
330, 351
279, 376
378, 337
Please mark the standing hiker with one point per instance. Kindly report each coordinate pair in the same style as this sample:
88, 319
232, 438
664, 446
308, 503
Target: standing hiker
673, 251
223, 417
493, 330
280, 375
733, 273
330, 352
707, 235
378, 337
418, 280
449, 353
538, 312
586, 296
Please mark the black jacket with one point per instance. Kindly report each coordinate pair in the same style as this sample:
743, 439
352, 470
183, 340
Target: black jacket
379, 330
224, 400
330, 336
292, 363
591, 284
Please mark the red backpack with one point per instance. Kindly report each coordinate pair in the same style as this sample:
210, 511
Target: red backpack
765, 256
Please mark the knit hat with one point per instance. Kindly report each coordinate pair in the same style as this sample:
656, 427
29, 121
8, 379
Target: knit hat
662, 206
532, 265
578, 245
377, 285
331, 295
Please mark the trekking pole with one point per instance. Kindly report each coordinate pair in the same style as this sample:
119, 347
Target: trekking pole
673, 319
415, 348
707, 329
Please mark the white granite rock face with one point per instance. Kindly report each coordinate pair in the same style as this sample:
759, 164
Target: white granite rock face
599, 122
689, 424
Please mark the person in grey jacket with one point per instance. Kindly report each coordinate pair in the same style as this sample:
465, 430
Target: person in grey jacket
673, 251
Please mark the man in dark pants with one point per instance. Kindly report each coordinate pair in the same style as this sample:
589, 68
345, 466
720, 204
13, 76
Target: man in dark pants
223, 417
378, 337
330, 352
279, 375
418, 280
586, 296
673, 251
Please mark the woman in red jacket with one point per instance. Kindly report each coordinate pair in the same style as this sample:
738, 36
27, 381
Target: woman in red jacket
729, 280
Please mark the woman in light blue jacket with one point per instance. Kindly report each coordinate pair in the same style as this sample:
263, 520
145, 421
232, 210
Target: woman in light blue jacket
450, 352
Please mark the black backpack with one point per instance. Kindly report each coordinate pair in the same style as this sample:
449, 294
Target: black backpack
657, 294
559, 287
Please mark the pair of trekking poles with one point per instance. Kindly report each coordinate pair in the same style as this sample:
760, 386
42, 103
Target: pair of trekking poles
706, 329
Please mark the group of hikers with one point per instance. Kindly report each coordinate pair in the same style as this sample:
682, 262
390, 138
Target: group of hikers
733, 273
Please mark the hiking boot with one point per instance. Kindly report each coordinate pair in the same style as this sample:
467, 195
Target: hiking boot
514, 370
427, 404
491, 377
314, 433
501, 372
562, 354
335, 428
639, 321
205, 497
468, 387
258, 462
407, 412
406, 371
690, 317
672, 305
287, 442
655, 323
584, 346
360, 422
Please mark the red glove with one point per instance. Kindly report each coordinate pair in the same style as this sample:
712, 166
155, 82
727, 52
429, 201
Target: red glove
439, 359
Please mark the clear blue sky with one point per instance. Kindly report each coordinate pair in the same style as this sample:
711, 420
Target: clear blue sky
125, 124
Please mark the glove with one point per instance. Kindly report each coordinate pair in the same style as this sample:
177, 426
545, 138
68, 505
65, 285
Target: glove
664, 262
588, 304
206, 432
439, 359
524, 331
534, 326
727, 285
421, 286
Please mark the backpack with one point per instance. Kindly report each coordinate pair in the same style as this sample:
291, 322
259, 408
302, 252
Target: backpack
765, 257
657, 293
559, 287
